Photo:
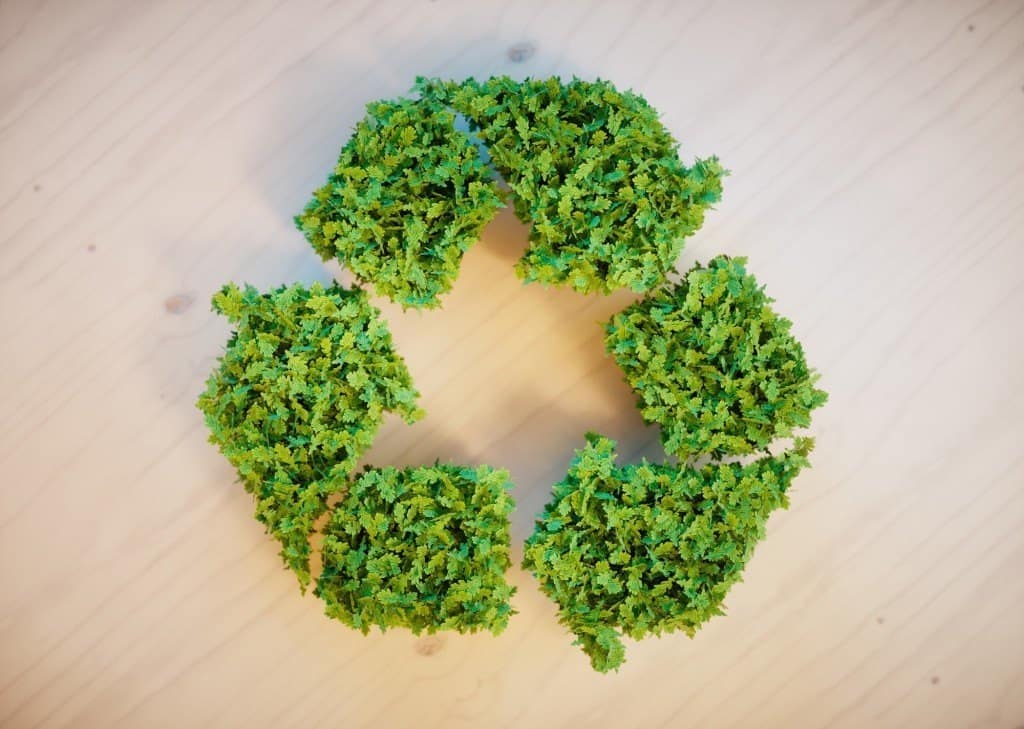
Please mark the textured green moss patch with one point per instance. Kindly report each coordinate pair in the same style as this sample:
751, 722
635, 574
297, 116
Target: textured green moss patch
713, 364
648, 549
297, 397
595, 173
420, 548
624, 550
407, 198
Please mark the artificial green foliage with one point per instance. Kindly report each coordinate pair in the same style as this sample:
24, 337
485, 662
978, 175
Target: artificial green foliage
421, 548
624, 550
297, 398
407, 198
648, 549
594, 171
713, 364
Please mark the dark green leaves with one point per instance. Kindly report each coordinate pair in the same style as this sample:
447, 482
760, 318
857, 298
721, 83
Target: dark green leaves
594, 171
297, 398
713, 364
407, 198
422, 548
648, 549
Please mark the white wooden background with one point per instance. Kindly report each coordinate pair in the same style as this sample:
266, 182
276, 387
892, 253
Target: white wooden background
150, 151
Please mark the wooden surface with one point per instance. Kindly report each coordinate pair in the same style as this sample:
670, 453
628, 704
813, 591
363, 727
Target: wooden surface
150, 151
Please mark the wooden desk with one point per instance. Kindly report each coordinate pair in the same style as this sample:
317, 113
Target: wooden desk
150, 152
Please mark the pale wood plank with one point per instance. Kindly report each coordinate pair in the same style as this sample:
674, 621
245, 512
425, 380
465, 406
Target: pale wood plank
151, 151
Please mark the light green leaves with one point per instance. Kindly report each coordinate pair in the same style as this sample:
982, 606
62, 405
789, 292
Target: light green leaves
648, 549
308, 374
422, 548
594, 171
407, 198
713, 364
297, 398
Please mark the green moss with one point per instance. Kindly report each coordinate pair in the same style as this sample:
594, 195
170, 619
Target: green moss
713, 364
594, 171
648, 549
407, 198
297, 397
421, 548
625, 551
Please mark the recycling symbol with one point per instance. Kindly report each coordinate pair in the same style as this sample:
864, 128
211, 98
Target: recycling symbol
308, 374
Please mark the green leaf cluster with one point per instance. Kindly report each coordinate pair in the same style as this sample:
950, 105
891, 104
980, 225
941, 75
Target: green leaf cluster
407, 198
648, 549
594, 171
297, 397
713, 364
423, 548
306, 378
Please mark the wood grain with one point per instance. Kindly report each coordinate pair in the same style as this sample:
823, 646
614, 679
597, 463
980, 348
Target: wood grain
151, 151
